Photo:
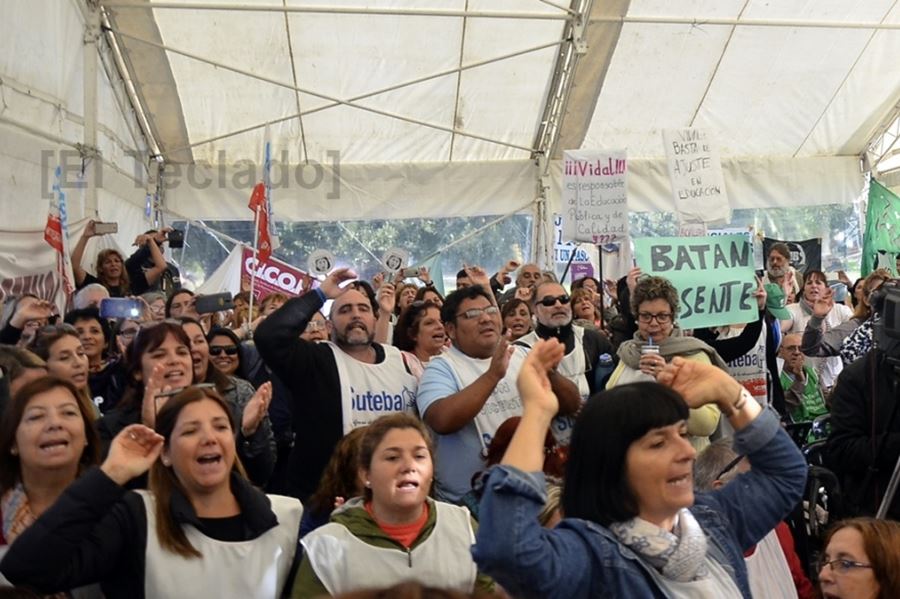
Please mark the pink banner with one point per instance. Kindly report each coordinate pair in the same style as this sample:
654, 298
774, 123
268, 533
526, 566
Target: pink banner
272, 276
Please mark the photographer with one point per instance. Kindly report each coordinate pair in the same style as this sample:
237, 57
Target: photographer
147, 267
864, 434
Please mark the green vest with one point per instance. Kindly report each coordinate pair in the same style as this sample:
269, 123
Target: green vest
812, 404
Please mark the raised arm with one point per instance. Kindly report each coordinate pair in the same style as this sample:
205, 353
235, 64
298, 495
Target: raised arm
78, 252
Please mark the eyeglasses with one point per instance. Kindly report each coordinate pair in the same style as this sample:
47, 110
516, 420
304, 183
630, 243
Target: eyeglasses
661, 318
791, 349
229, 350
473, 313
551, 300
128, 332
728, 468
840, 566
314, 325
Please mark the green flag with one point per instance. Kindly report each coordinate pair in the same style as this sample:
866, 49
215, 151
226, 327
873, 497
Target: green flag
881, 241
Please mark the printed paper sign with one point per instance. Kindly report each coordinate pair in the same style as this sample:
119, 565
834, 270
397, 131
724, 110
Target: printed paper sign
695, 172
320, 262
595, 201
714, 276
394, 259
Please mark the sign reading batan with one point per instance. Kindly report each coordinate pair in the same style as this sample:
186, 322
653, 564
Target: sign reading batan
271, 276
714, 276
695, 172
594, 196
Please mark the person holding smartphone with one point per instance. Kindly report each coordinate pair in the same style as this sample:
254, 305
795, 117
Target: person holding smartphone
147, 266
110, 264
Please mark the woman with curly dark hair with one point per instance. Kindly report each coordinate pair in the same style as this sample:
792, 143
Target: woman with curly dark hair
659, 339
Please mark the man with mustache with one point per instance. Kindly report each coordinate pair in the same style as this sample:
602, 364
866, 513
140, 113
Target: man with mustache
780, 272
336, 386
552, 308
467, 392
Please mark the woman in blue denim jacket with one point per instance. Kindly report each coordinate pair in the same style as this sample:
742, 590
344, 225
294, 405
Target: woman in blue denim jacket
633, 526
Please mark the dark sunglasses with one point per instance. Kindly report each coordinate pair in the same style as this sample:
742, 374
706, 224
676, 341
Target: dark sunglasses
229, 350
551, 300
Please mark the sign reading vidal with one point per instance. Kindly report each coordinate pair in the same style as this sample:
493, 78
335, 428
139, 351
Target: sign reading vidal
714, 276
271, 276
594, 196
695, 172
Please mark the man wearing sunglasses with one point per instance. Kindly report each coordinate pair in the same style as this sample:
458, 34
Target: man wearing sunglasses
336, 386
552, 308
467, 392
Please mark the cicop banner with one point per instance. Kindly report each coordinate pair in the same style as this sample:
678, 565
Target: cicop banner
695, 171
272, 276
714, 276
594, 198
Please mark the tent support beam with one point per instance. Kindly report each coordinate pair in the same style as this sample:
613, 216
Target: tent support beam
371, 94
791, 23
574, 46
349, 10
282, 84
90, 153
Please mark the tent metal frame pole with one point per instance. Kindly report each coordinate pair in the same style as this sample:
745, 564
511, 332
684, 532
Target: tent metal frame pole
89, 150
349, 10
371, 94
790, 23
574, 46
882, 144
324, 96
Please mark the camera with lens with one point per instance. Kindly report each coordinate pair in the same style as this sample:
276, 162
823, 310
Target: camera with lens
886, 328
175, 239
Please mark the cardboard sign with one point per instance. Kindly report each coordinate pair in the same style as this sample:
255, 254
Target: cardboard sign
714, 276
695, 172
595, 202
272, 276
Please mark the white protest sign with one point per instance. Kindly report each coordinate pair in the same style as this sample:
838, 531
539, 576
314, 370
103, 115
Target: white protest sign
695, 171
320, 262
394, 259
595, 207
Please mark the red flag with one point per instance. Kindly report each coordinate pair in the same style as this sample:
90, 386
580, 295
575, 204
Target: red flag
258, 206
53, 235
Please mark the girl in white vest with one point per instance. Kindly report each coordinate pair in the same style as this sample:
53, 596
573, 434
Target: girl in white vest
201, 531
395, 532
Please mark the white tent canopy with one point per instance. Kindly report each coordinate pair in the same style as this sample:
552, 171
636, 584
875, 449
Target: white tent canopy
428, 108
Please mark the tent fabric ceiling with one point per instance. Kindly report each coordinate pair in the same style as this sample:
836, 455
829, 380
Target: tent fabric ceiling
763, 91
342, 56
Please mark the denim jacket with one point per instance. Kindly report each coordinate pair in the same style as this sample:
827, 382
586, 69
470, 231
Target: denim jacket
580, 558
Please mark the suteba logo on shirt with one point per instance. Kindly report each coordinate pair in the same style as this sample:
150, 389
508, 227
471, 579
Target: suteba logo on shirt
382, 401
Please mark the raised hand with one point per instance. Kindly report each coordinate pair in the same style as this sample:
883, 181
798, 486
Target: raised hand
524, 293
760, 294
424, 275
89, 230
256, 409
500, 359
331, 286
387, 298
30, 309
377, 280
131, 453
478, 276
155, 397
823, 304
699, 383
632, 278
534, 382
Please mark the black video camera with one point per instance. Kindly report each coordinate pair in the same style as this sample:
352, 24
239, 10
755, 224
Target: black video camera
886, 328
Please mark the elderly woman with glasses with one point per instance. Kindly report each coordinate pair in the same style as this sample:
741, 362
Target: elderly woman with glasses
657, 341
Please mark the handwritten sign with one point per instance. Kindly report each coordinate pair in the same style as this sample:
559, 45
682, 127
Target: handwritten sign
594, 196
714, 276
695, 172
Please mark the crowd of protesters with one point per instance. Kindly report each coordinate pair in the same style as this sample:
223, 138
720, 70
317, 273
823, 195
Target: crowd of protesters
518, 437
